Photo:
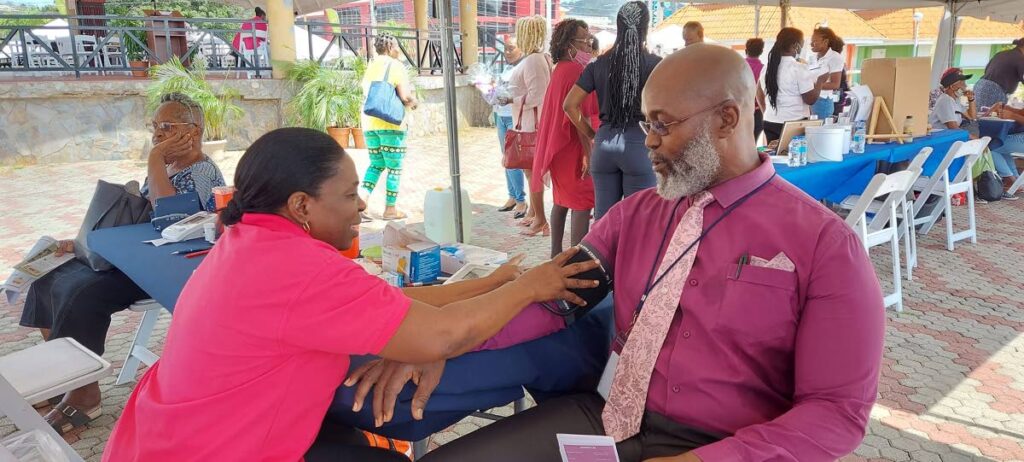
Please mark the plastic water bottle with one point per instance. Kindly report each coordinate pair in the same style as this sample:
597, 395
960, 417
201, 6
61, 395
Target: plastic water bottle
794, 152
859, 138
803, 150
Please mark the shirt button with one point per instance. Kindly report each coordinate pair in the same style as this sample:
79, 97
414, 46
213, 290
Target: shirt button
686, 334
675, 389
693, 282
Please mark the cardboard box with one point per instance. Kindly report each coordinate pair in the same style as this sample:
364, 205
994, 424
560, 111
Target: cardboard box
455, 256
903, 84
410, 254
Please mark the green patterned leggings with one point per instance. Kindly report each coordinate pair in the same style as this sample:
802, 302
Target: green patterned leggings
387, 149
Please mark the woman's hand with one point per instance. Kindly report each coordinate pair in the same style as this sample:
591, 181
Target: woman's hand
509, 271
504, 100
171, 149
552, 280
387, 378
65, 246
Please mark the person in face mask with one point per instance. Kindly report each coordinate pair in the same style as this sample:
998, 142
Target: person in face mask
563, 149
956, 102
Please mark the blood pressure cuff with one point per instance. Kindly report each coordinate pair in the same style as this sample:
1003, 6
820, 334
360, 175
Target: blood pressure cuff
592, 296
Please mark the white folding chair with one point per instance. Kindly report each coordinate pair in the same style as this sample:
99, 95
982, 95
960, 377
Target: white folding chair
139, 352
1017, 185
895, 186
419, 448
41, 372
939, 184
904, 206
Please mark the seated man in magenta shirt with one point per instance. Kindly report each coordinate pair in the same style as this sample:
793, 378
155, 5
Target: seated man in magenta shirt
749, 320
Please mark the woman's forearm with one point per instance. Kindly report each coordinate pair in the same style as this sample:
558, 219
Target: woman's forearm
445, 294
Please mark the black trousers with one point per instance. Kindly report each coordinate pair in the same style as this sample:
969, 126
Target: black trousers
772, 132
758, 123
341, 443
530, 436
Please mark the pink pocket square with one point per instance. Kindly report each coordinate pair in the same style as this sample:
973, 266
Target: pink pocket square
780, 262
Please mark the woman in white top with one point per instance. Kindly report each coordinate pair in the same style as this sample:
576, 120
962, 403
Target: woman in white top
828, 47
787, 88
528, 85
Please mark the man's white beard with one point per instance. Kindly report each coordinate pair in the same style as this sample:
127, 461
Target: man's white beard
693, 170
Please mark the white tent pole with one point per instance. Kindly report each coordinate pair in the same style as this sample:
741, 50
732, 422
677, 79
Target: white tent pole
450, 108
943, 51
757, 20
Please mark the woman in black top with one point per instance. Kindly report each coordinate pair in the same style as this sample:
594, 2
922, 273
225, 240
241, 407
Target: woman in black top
1002, 75
619, 162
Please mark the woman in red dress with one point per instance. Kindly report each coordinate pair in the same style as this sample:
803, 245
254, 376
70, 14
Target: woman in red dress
561, 150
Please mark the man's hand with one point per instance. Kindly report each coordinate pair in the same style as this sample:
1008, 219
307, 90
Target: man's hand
970, 95
170, 149
686, 457
387, 378
509, 271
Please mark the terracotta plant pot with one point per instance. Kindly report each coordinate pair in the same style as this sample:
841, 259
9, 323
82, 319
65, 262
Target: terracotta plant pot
341, 135
140, 69
358, 140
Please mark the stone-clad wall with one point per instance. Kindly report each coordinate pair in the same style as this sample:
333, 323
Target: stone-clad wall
68, 121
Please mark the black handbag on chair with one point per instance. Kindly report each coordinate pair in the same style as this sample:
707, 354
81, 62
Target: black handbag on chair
112, 205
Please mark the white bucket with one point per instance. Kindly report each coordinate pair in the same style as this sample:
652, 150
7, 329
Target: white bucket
847, 136
825, 144
439, 215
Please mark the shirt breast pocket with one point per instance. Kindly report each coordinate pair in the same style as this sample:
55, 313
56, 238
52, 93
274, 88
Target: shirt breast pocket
759, 305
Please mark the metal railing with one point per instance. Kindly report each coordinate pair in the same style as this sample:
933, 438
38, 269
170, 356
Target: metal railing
118, 45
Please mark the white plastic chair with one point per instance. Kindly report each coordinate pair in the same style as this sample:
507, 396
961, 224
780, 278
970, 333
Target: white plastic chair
262, 49
139, 352
1017, 185
896, 185
939, 184
904, 206
41, 372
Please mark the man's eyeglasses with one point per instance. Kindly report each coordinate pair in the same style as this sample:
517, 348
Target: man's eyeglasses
662, 128
164, 126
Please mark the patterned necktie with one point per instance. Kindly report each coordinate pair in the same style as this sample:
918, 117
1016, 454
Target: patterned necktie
628, 396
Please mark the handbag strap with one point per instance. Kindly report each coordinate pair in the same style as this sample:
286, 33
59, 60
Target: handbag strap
536, 117
387, 72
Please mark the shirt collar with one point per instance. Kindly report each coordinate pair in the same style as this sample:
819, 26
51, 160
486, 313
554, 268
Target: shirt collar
730, 191
272, 222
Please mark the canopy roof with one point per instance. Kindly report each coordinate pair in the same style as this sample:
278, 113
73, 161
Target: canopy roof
736, 22
998, 10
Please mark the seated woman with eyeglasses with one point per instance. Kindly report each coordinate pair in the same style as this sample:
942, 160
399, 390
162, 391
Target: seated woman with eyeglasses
75, 301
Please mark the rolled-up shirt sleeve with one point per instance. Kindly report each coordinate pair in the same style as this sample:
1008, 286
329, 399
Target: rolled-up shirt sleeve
838, 356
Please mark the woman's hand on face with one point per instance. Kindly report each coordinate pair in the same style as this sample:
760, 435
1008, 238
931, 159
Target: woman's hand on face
172, 148
554, 279
509, 271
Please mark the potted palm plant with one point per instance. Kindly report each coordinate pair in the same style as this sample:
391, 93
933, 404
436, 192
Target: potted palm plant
353, 109
327, 99
220, 110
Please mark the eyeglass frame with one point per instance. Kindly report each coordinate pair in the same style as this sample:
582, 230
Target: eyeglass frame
153, 126
647, 127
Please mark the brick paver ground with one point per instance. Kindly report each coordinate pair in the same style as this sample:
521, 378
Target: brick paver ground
952, 385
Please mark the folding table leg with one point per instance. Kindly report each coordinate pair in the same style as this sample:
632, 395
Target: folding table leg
136, 353
419, 448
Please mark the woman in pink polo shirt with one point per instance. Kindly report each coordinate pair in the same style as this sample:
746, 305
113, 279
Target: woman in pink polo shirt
263, 330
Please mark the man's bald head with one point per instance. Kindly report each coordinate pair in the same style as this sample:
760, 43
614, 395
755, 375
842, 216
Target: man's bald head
700, 101
703, 74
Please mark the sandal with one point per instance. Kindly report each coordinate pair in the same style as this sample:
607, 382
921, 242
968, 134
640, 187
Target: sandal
544, 230
48, 403
65, 417
395, 216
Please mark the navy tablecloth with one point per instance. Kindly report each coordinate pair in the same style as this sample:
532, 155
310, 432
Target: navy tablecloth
837, 180
154, 269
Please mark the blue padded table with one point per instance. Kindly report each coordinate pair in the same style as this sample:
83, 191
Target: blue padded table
154, 269
837, 180
997, 129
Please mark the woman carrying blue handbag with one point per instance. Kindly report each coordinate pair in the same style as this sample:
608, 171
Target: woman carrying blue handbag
388, 93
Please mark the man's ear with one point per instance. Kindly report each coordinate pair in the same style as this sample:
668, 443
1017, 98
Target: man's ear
730, 119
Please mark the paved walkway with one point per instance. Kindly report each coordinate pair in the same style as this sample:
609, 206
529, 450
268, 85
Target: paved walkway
952, 386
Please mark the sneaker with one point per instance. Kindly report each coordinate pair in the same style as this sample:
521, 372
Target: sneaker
1009, 197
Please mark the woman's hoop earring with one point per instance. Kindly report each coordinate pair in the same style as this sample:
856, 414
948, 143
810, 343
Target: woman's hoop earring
305, 226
